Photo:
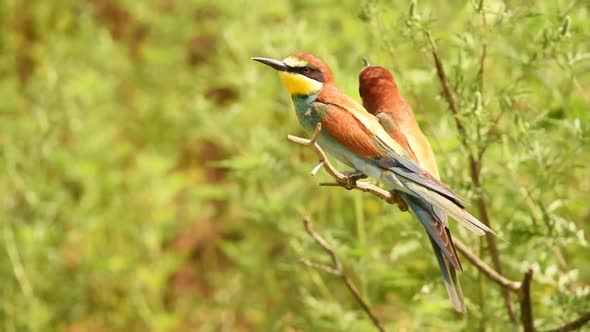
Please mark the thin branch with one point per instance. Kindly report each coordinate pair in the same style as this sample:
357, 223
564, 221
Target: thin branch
490, 239
489, 140
481, 72
317, 168
448, 92
341, 179
324, 244
526, 307
475, 169
338, 271
560, 258
483, 320
481, 76
486, 269
321, 267
583, 320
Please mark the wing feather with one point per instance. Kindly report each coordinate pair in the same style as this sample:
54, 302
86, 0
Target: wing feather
346, 128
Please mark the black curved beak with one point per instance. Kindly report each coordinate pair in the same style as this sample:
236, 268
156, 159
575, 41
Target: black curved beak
276, 64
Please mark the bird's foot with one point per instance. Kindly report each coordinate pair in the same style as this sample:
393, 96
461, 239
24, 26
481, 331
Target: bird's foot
397, 199
350, 179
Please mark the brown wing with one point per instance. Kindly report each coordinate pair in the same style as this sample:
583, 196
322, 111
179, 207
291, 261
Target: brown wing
348, 131
345, 128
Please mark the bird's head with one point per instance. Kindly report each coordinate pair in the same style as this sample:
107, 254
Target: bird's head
377, 88
303, 74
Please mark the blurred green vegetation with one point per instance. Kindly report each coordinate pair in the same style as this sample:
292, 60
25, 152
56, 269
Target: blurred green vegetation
147, 184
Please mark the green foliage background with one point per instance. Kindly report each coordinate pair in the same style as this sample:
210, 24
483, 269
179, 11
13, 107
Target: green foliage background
146, 182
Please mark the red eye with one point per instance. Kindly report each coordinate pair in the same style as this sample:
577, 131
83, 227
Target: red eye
305, 70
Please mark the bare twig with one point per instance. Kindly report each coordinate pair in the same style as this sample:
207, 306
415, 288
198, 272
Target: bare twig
488, 141
482, 300
341, 179
526, 307
322, 267
448, 93
486, 269
474, 166
324, 244
584, 319
490, 239
338, 271
481, 72
560, 259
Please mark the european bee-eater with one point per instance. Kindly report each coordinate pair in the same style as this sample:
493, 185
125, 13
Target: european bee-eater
356, 138
382, 98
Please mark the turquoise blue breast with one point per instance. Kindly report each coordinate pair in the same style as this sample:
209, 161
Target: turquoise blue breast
306, 115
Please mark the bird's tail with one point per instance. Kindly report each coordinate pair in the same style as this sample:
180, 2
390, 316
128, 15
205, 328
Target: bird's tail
450, 276
452, 209
442, 244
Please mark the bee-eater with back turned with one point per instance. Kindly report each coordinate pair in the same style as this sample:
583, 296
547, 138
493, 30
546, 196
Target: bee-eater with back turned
382, 98
356, 138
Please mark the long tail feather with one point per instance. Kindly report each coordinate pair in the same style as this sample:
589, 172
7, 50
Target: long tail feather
443, 247
450, 276
430, 218
456, 212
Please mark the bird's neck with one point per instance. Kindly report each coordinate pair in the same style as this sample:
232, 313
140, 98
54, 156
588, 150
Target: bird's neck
308, 121
302, 102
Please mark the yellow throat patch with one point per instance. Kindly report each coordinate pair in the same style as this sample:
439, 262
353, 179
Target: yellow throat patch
298, 84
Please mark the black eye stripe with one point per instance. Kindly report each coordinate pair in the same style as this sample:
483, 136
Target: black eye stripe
301, 70
310, 72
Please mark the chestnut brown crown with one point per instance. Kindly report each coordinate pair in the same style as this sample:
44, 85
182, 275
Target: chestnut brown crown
315, 63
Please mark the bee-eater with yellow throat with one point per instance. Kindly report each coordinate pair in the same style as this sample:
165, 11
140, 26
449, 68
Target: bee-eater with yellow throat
382, 98
356, 138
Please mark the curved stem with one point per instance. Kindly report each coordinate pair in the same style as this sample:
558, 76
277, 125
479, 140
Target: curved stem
338, 270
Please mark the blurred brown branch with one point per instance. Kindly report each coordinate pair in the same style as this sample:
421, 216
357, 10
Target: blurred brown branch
486, 269
475, 165
338, 271
344, 181
584, 319
526, 307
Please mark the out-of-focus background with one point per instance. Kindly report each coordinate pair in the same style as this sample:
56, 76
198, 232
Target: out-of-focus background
146, 181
